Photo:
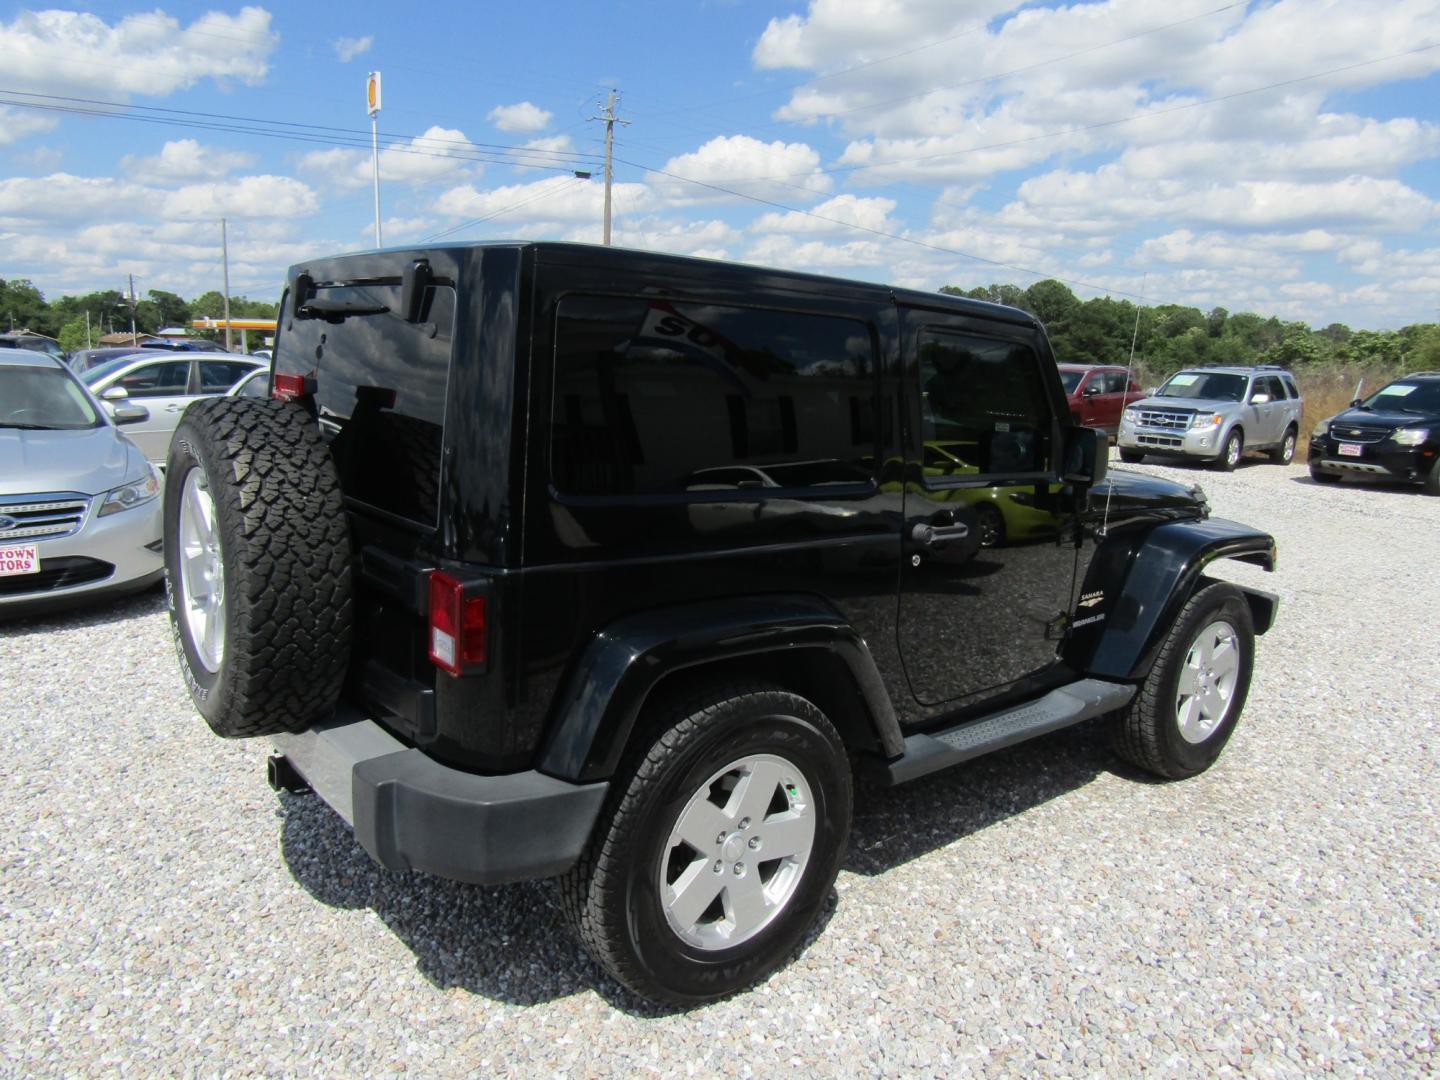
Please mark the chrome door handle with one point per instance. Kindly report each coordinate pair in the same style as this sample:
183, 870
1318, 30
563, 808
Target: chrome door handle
933, 534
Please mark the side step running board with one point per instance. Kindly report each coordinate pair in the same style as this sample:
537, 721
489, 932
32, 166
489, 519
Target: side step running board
1060, 708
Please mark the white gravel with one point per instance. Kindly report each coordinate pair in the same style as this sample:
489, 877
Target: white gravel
1040, 912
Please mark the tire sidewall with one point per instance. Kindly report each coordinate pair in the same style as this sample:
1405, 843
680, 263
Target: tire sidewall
1238, 441
697, 974
207, 688
1223, 604
1287, 446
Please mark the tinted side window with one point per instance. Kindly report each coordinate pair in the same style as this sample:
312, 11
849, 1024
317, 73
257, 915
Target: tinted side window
380, 385
167, 379
653, 396
983, 404
218, 375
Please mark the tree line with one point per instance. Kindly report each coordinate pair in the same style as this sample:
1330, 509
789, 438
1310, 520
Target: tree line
1171, 336
23, 306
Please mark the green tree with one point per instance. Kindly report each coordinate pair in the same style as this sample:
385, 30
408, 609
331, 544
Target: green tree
23, 307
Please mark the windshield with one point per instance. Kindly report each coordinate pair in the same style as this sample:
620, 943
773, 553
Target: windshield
1416, 397
1211, 385
43, 399
1070, 380
93, 375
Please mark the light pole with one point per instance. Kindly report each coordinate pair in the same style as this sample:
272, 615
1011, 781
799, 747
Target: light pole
372, 104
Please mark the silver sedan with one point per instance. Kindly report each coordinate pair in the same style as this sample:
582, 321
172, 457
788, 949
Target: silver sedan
79, 513
165, 384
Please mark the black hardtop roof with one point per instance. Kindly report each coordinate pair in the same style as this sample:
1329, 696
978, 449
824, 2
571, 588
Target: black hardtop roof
384, 262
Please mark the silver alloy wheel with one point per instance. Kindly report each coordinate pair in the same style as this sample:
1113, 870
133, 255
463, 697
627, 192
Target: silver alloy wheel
202, 572
1287, 448
737, 852
1207, 681
1232, 451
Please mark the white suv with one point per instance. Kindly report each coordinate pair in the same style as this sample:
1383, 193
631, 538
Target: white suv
1216, 413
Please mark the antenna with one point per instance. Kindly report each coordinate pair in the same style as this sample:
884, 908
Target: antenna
1129, 370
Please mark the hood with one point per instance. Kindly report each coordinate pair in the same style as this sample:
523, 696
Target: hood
1183, 403
1129, 493
88, 461
1389, 418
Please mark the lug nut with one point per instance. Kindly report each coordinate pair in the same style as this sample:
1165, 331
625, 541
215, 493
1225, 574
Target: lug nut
719, 866
754, 843
744, 823
739, 869
721, 838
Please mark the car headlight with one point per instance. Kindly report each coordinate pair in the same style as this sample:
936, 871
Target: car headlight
1206, 420
1410, 436
127, 496
1132, 416
1321, 429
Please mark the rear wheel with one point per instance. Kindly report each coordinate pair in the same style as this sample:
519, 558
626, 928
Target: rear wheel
1285, 452
1131, 457
1230, 452
257, 566
1187, 707
721, 846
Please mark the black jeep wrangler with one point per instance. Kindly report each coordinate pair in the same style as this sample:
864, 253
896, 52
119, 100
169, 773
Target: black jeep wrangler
548, 559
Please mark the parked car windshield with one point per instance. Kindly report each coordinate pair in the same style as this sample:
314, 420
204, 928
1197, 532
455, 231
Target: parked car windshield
1417, 397
1070, 380
95, 374
1211, 385
43, 399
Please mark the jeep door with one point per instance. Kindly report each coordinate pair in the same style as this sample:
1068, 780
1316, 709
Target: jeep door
988, 531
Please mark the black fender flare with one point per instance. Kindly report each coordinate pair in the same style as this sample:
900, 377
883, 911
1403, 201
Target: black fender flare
1118, 636
594, 713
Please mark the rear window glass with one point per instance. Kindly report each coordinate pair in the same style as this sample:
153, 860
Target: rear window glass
380, 385
655, 397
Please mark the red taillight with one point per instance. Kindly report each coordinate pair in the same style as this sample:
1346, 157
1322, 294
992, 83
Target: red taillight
287, 387
457, 625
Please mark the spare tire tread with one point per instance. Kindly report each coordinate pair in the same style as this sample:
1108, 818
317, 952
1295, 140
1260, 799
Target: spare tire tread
287, 555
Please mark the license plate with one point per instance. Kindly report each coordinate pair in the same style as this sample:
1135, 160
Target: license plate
24, 559
1350, 449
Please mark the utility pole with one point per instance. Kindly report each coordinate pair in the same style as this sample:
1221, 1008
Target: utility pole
610, 121
87, 328
133, 302
225, 259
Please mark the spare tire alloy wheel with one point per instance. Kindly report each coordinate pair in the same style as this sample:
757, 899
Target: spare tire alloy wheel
257, 566
201, 601
719, 847
1187, 707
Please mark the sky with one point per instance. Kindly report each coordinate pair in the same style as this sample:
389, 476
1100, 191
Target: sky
1275, 156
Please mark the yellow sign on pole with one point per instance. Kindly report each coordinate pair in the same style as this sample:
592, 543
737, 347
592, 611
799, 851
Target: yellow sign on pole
372, 93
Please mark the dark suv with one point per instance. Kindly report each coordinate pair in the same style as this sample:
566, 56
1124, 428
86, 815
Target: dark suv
1393, 434
563, 560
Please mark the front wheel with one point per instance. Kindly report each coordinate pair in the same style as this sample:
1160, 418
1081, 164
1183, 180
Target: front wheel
721, 846
1131, 457
1231, 451
1323, 477
1187, 707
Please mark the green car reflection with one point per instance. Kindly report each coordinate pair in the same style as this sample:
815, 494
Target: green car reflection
1005, 513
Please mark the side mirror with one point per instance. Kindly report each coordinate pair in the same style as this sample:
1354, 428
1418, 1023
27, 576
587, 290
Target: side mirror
129, 414
1150, 391
1087, 455
1259, 399
1355, 403
116, 393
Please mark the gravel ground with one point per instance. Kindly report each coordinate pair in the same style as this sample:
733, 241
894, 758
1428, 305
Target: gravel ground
1044, 911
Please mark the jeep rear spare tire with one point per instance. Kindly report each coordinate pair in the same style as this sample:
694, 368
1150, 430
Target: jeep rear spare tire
257, 566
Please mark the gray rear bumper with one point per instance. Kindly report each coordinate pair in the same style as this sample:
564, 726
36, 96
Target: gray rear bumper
412, 813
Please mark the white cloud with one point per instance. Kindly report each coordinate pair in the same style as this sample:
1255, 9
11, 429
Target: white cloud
186, 159
749, 166
554, 202
18, 123
523, 117
248, 197
348, 48
439, 154
832, 216
150, 53
61, 197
